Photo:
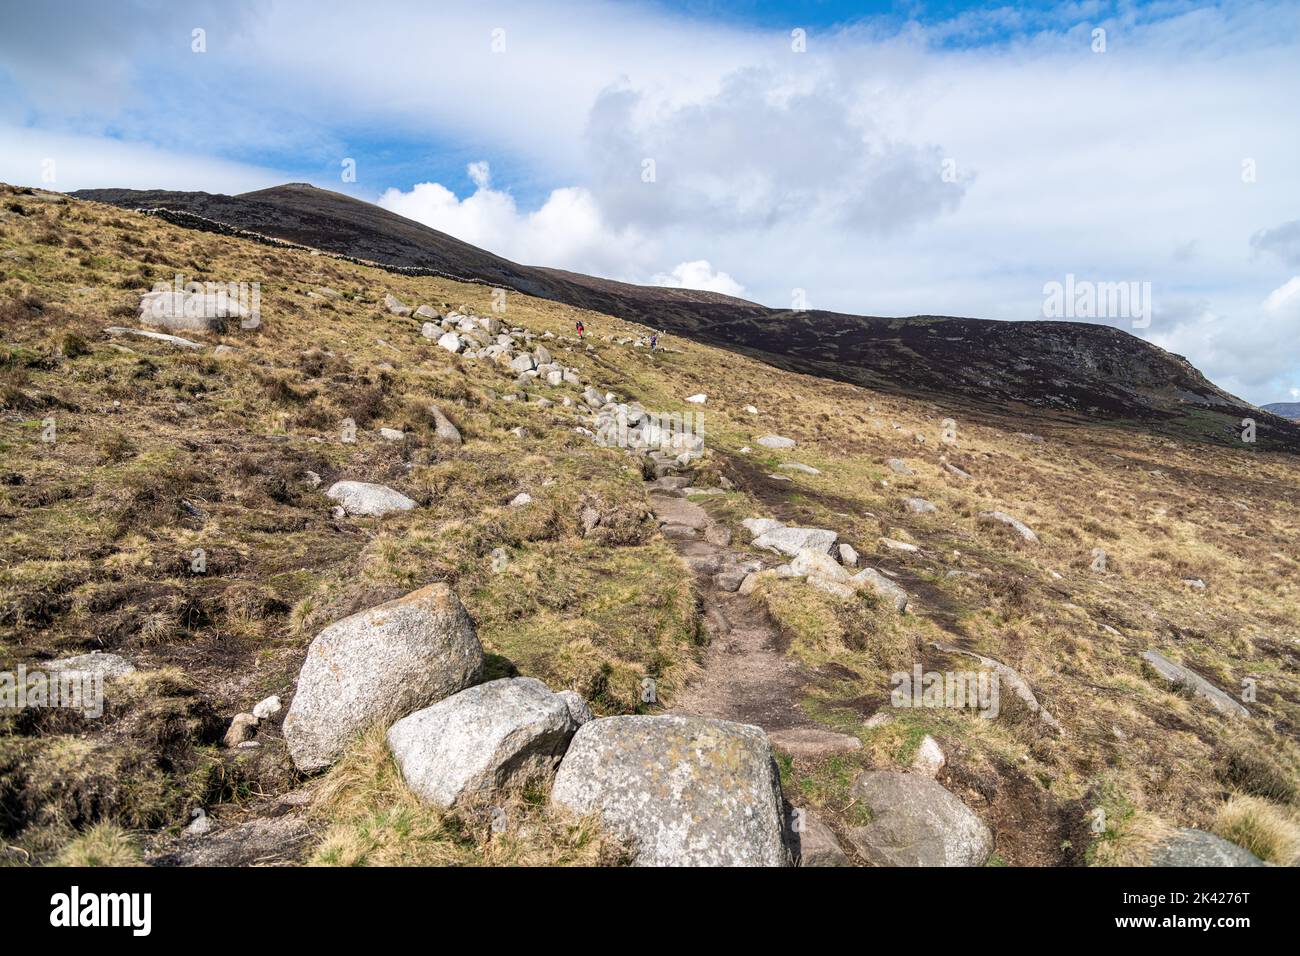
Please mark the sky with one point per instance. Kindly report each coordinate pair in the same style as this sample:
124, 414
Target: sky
877, 158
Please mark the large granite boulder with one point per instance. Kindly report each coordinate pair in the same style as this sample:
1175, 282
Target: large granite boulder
505, 733
916, 822
687, 791
379, 665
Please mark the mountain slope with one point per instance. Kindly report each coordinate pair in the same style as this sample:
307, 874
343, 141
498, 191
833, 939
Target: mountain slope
1078, 369
121, 456
1289, 410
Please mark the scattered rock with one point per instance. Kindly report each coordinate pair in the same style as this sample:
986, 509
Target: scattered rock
396, 306
929, 759
848, 557
760, 526
1182, 676
450, 341
521, 499
688, 791
1189, 847
918, 505
192, 311
379, 664
1011, 677
699, 399
883, 587
916, 822
813, 742
898, 466
814, 843
266, 708
893, 545
796, 466
241, 729
1196, 584
776, 441
505, 733
1021, 528
391, 434
444, 430
579, 711
94, 663
818, 563
156, 336
364, 498
790, 541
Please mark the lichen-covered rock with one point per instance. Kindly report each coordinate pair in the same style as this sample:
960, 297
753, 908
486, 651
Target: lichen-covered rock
916, 822
1188, 847
379, 665
503, 734
687, 791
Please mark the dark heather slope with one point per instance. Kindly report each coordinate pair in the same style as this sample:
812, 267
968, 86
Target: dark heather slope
1072, 368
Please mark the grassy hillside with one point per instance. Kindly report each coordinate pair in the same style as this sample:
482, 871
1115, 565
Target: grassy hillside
160, 451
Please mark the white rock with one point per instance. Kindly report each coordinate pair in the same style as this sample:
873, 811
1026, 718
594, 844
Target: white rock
364, 498
699, 399
929, 759
266, 708
776, 441
818, 563
1021, 528
450, 341
791, 541
521, 499
918, 505
882, 586
506, 733
760, 526
379, 665
392, 434
848, 557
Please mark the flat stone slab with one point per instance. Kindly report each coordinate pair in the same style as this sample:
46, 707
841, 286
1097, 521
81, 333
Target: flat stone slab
1198, 685
813, 742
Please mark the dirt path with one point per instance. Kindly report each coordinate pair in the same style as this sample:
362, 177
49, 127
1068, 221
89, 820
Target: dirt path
747, 676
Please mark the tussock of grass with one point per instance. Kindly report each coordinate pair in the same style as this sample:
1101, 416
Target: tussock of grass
102, 845
1269, 831
372, 819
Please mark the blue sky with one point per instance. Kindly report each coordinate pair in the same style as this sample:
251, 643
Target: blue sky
911, 158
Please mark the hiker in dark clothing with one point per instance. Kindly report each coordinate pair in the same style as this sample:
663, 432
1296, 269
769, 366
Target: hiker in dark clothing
654, 341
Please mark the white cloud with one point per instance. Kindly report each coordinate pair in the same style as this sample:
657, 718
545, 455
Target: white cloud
818, 170
698, 274
568, 231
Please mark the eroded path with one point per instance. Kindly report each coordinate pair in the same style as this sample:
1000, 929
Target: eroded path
747, 676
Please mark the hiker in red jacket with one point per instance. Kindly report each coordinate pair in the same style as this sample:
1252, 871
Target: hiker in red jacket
580, 328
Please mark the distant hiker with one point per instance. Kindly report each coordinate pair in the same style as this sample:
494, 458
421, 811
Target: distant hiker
580, 328
654, 341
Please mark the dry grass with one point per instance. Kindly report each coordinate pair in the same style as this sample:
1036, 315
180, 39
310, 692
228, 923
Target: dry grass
101, 845
1269, 831
161, 452
372, 819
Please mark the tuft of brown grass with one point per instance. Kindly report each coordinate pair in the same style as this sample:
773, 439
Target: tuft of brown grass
372, 819
102, 845
1269, 831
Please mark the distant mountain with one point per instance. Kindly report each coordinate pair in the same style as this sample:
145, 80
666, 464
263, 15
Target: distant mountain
1289, 410
1073, 368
